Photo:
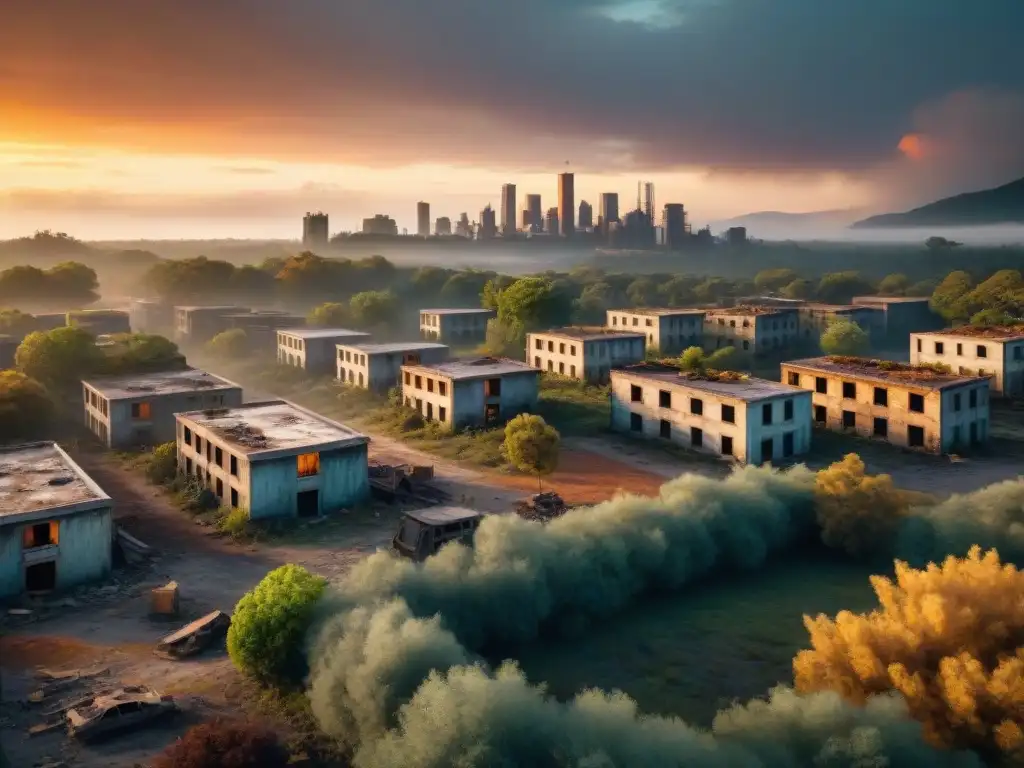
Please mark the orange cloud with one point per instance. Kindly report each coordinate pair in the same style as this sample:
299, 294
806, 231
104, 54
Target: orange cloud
916, 146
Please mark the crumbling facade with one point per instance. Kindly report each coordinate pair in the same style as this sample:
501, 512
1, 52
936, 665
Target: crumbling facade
905, 405
455, 326
587, 354
274, 459
379, 366
668, 331
746, 419
315, 349
996, 351
753, 330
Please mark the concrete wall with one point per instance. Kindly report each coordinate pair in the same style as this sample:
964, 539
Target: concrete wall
113, 423
151, 317
197, 326
1004, 361
458, 328
587, 360
747, 429
669, 334
269, 488
382, 371
753, 334
83, 552
316, 356
965, 416
897, 414
464, 401
814, 320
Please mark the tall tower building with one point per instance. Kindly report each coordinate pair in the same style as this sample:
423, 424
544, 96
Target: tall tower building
649, 201
609, 208
535, 213
586, 219
314, 229
551, 221
488, 228
567, 204
423, 219
443, 226
673, 222
508, 209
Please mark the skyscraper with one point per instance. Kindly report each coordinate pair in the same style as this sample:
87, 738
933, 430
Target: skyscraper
649, 201
462, 228
551, 222
508, 209
443, 226
609, 208
535, 213
566, 204
586, 219
423, 219
314, 229
673, 221
488, 228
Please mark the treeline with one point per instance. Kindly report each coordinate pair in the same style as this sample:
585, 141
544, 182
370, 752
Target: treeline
996, 300
65, 284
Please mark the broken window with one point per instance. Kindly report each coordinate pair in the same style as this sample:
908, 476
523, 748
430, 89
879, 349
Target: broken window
766, 414
849, 420
141, 411
729, 414
664, 399
492, 388
442, 388
940, 348
430, 385
972, 398
849, 390
696, 437
916, 403
982, 350
218, 456
881, 428
787, 411
233, 460
309, 464
187, 436
821, 385
956, 402
726, 445
820, 414
881, 396
915, 437
636, 394
41, 535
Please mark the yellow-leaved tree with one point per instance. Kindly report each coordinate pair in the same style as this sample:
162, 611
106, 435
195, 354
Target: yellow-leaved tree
949, 638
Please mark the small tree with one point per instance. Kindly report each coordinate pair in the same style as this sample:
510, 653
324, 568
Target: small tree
59, 358
267, 636
696, 360
25, 407
330, 315
845, 338
231, 344
225, 744
162, 463
142, 353
531, 445
372, 309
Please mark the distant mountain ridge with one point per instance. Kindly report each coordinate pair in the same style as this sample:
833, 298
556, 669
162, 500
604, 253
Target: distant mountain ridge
999, 205
781, 218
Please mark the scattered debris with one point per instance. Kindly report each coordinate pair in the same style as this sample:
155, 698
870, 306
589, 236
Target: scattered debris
194, 637
542, 506
164, 600
134, 550
124, 709
70, 674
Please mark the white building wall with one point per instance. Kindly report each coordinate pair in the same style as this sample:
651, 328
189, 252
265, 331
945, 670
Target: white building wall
666, 333
462, 403
585, 359
972, 355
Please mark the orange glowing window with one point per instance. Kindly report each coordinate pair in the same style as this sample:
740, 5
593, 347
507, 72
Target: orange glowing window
309, 464
40, 535
141, 411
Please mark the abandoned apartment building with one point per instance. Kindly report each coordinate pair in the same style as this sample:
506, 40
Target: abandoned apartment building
455, 326
669, 331
151, 316
274, 459
56, 528
378, 367
905, 405
587, 354
993, 350
197, 325
130, 411
261, 325
469, 393
754, 330
815, 318
903, 314
748, 419
314, 349
100, 322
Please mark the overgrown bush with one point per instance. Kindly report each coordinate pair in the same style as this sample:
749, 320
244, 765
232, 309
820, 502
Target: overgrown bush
225, 744
162, 464
25, 407
232, 344
857, 512
950, 639
266, 640
234, 522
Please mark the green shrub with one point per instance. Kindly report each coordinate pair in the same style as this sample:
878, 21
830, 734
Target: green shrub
162, 464
266, 640
234, 522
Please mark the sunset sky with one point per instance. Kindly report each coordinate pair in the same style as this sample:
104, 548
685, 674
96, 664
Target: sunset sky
216, 118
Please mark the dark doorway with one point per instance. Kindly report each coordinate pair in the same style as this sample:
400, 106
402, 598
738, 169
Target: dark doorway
308, 503
666, 429
492, 413
787, 444
41, 577
915, 437
767, 449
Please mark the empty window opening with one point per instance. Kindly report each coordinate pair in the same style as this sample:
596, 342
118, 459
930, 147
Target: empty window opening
729, 414
849, 390
820, 414
492, 388
308, 464
636, 422
881, 428
307, 503
664, 399
696, 406
234, 498
916, 403
787, 445
787, 411
665, 430
881, 396
696, 437
821, 385
41, 577
849, 420
726, 445
636, 394
41, 535
915, 437
141, 411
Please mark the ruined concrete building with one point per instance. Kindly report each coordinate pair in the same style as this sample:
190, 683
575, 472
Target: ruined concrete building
919, 407
993, 350
274, 459
751, 420
753, 330
314, 349
56, 528
587, 354
131, 411
455, 326
669, 331
379, 366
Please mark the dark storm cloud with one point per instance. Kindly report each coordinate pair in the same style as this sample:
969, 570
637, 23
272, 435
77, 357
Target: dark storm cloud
728, 84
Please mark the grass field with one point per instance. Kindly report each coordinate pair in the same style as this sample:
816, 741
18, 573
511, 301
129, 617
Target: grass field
693, 654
